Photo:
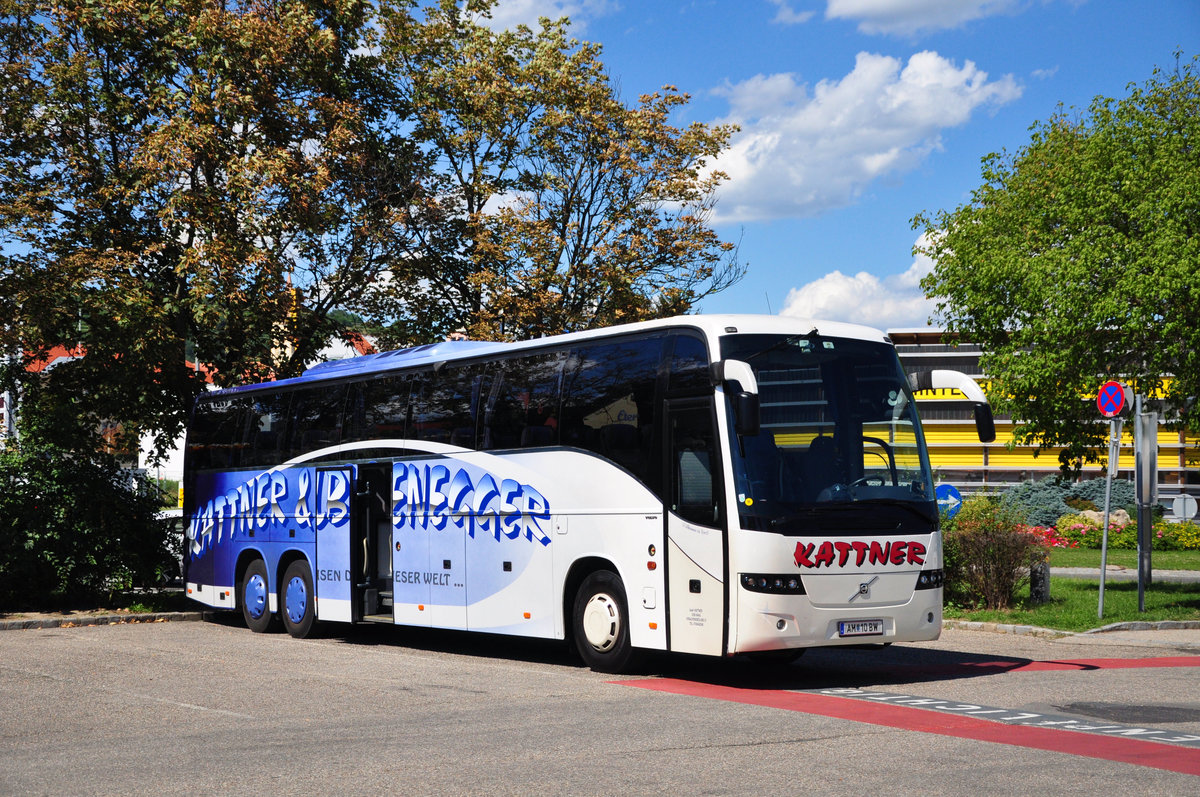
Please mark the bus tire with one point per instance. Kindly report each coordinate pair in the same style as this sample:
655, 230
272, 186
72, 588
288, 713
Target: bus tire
600, 623
254, 597
297, 600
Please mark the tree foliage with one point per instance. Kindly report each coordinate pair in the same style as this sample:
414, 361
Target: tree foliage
1078, 260
218, 181
76, 529
549, 205
187, 175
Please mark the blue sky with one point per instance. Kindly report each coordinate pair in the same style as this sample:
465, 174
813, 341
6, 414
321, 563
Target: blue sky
858, 114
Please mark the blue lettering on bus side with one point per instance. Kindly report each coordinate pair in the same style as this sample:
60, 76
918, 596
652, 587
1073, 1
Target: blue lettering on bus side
426, 497
434, 496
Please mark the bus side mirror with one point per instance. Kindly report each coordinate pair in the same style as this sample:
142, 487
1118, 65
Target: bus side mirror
745, 413
738, 378
985, 425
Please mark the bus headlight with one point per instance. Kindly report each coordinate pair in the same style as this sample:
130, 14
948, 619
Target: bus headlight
786, 584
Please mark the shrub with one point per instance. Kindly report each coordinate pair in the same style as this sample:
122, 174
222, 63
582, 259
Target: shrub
74, 528
1092, 490
1038, 503
1042, 503
1181, 536
1050, 537
1186, 535
1079, 504
988, 553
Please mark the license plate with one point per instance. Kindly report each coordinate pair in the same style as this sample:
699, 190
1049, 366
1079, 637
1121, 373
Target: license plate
860, 628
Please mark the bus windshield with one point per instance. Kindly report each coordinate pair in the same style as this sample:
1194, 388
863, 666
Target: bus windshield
839, 448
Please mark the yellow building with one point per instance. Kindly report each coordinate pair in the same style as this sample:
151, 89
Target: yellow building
958, 457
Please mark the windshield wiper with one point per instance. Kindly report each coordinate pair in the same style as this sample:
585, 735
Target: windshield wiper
865, 504
811, 511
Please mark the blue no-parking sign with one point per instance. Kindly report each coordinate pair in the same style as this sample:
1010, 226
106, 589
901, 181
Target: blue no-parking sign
1110, 399
949, 500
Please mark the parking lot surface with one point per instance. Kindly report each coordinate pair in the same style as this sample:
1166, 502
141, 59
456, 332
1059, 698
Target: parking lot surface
208, 707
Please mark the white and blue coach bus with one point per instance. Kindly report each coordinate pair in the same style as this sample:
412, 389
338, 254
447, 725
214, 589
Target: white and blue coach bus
707, 484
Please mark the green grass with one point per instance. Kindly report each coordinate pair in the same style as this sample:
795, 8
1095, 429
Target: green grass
1159, 560
1073, 604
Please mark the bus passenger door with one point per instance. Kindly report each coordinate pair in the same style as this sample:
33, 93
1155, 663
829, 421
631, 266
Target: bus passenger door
695, 530
334, 577
410, 547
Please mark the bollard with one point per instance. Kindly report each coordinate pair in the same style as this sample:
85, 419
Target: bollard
1039, 582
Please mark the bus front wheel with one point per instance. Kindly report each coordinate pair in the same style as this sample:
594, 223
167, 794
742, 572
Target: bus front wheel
296, 600
253, 596
600, 623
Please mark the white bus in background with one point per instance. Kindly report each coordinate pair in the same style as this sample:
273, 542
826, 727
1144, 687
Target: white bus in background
713, 485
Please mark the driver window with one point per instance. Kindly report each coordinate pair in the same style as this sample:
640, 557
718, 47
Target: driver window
694, 496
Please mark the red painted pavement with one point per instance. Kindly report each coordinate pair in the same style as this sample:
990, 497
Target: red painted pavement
1111, 748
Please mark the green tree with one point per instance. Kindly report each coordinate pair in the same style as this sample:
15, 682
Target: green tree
74, 528
188, 174
1078, 260
549, 204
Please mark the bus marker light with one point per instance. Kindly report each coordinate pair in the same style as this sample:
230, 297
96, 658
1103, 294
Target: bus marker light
420, 607
654, 626
527, 615
651, 565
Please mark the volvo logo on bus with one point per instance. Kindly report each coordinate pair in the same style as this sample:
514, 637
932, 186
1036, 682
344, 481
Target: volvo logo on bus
864, 590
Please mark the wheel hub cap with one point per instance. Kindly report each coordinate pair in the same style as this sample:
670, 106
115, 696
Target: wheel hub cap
255, 596
296, 598
601, 622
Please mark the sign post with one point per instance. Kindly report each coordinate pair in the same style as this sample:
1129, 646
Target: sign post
1146, 482
1110, 400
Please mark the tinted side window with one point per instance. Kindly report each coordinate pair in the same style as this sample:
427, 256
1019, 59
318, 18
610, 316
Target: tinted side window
446, 405
217, 436
609, 402
377, 409
523, 406
267, 430
316, 418
689, 366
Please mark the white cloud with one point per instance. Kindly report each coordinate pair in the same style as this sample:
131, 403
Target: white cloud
799, 154
509, 13
892, 301
910, 17
786, 15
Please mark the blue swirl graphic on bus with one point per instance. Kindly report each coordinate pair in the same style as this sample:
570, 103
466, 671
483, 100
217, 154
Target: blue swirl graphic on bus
435, 497
425, 496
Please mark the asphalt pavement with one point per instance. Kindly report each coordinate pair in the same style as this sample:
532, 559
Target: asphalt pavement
1171, 634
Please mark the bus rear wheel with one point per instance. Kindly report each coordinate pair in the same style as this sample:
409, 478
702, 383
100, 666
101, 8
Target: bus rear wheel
253, 595
600, 623
297, 600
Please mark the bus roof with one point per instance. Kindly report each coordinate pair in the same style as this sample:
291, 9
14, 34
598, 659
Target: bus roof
712, 326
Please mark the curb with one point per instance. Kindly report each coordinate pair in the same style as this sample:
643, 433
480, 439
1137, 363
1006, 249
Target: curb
1054, 633
1007, 628
1137, 625
100, 619
1094, 633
